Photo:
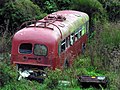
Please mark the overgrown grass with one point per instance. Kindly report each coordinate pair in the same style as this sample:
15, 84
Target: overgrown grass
8, 80
81, 66
111, 35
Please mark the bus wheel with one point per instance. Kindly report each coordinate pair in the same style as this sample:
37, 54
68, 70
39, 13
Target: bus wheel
66, 64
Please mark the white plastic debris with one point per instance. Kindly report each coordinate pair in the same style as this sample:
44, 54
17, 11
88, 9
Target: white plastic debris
101, 78
44, 75
64, 83
24, 74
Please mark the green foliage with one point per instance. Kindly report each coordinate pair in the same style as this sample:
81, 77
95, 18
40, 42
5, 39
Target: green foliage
19, 11
50, 6
3, 2
84, 5
53, 81
81, 66
6, 73
63, 4
5, 45
22, 85
8, 80
112, 7
113, 80
111, 35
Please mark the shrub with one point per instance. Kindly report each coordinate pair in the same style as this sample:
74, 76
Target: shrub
8, 80
112, 7
50, 6
91, 7
110, 35
6, 73
19, 11
63, 4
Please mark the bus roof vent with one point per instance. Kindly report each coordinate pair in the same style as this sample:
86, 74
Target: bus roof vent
55, 17
78, 15
61, 25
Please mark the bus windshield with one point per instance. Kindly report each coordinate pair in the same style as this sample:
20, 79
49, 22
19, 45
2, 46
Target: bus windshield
40, 50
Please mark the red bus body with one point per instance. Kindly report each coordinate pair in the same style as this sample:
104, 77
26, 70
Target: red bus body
51, 42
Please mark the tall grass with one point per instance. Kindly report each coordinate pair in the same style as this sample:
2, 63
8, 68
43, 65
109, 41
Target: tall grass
111, 35
81, 66
106, 49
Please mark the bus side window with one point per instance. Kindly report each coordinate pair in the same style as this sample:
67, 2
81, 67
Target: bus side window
72, 39
83, 30
63, 45
80, 31
77, 35
67, 42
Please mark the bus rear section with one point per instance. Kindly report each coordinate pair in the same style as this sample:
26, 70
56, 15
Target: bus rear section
32, 53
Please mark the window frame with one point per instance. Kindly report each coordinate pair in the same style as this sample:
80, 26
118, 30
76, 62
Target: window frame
25, 53
72, 39
77, 36
80, 31
41, 45
62, 43
68, 42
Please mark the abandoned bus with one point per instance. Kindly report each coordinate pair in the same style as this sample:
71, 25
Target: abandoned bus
52, 42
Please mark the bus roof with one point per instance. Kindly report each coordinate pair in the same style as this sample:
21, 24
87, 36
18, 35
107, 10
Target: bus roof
74, 19
55, 29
